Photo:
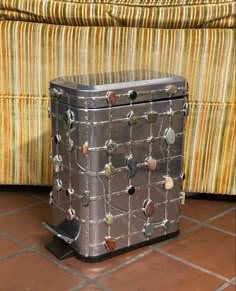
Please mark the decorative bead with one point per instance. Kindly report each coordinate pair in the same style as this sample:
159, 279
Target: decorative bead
132, 166
166, 224
109, 219
69, 145
56, 92
111, 97
151, 116
70, 214
68, 119
110, 244
70, 192
186, 109
109, 170
131, 190
148, 207
111, 146
151, 164
85, 149
182, 197
171, 89
58, 184
169, 183
86, 198
132, 118
57, 163
51, 198
182, 176
132, 95
57, 138
148, 229
169, 136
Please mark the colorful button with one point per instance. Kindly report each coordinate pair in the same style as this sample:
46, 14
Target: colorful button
111, 97
109, 219
151, 164
57, 163
166, 224
85, 149
151, 116
182, 176
70, 192
132, 118
68, 119
148, 229
70, 214
131, 190
132, 166
69, 145
111, 146
169, 136
110, 244
57, 138
58, 184
132, 95
109, 170
171, 89
186, 109
86, 198
51, 198
182, 197
148, 207
169, 183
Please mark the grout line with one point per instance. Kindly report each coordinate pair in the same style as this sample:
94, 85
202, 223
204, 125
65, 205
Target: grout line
29, 206
205, 223
220, 214
62, 266
135, 258
98, 285
2, 259
24, 245
193, 265
42, 243
220, 230
223, 287
45, 200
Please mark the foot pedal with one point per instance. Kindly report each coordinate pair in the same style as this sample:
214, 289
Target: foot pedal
67, 230
60, 249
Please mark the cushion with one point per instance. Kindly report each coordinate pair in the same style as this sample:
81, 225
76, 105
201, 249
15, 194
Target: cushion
149, 13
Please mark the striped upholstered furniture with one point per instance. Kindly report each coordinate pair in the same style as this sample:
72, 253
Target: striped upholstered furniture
43, 39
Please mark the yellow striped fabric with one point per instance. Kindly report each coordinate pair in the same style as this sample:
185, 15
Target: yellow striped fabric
155, 14
33, 54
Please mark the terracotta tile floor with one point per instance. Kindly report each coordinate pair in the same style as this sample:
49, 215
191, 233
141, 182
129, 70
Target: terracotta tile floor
201, 258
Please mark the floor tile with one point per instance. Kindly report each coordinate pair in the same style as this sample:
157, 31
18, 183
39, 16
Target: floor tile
33, 273
159, 272
26, 225
14, 200
204, 209
186, 224
8, 247
207, 248
93, 270
226, 222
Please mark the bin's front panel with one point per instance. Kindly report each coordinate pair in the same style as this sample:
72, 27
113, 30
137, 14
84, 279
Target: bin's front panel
122, 166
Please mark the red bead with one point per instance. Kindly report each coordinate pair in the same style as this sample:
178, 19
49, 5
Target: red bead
111, 97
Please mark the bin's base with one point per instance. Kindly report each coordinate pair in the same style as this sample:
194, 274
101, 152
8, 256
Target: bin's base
61, 250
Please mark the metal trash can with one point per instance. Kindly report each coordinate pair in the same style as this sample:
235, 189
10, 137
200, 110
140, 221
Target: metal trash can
117, 162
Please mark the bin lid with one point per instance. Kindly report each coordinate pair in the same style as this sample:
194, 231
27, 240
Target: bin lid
117, 88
